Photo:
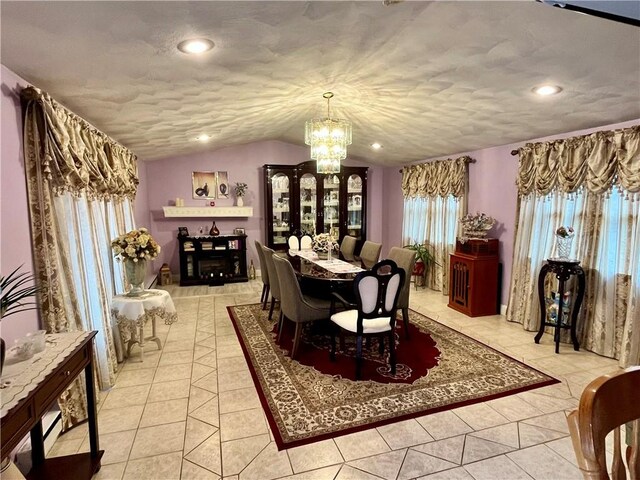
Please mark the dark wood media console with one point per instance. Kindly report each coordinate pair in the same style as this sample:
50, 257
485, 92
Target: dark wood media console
213, 260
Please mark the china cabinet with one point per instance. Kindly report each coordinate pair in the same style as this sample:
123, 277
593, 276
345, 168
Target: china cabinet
299, 200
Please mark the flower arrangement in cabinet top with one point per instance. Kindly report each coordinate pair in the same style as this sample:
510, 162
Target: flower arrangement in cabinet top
476, 226
136, 245
323, 243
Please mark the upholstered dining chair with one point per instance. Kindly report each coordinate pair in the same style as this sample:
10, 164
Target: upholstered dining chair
406, 260
370, 254
606, 404
377, 291
305, 242
264, 274
294, 242
294, 305
273, 278
347, 248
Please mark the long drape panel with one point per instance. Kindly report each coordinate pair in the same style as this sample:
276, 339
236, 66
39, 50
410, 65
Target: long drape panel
73, 173
435, 196
590, 183
434, 221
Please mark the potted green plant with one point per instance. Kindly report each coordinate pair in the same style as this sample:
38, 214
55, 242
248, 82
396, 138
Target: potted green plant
425, 260
16, 291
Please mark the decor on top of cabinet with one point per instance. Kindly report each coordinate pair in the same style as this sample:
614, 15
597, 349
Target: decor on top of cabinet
240, 191
564, 238
214, 232
476, 226
134, 248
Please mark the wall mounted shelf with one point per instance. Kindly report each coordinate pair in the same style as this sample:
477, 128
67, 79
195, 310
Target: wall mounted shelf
209, 212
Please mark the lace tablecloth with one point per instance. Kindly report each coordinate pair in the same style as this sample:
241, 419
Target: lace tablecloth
128, 314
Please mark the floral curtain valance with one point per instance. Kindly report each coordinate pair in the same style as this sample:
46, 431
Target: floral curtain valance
439, 178
596, 162
74, 156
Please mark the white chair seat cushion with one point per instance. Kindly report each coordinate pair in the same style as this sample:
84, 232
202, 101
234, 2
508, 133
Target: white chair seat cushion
348, 320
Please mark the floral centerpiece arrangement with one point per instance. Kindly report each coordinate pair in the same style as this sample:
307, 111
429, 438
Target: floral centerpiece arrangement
134, 248
323, 243
135, 245
476, 226
564, 238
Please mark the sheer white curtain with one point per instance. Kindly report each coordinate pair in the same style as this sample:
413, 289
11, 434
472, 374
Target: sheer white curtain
433, 220
607, 242
87, 229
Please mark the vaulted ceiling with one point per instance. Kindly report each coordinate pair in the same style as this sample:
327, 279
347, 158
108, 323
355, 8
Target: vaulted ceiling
424, 79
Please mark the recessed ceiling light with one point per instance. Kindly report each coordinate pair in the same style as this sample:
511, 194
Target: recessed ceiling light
204, 138
376, 146
195, 45
545, 90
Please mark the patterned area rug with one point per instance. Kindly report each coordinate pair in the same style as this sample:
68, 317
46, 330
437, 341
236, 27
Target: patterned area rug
306, 403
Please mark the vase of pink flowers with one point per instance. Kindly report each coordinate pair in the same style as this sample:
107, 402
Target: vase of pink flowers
564, 239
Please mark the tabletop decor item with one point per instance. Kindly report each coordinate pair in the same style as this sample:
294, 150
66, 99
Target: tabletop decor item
214, 232
240, 191
323, 245
134, 248
476, 226
564, 238
16, 295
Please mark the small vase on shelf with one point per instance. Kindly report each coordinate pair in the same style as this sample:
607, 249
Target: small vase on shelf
135, 272
239, 202
214, 232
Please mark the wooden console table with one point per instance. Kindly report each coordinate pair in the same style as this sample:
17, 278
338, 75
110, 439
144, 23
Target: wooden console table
563, 270
30, 389
213, 260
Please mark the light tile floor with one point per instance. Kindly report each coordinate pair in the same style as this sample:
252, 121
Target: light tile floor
191, 411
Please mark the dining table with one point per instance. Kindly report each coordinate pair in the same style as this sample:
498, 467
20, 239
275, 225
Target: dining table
321, 277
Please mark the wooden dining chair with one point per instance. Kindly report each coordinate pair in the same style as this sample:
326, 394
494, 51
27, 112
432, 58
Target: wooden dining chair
377, 291
264, 275
606, 404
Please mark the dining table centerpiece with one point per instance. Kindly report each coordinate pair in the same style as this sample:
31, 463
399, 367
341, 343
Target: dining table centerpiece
323, 245
476, 226
134, 248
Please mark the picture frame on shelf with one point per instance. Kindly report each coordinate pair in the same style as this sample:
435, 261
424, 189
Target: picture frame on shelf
183, 232
204, 185
223, 184
333, 196
239, 231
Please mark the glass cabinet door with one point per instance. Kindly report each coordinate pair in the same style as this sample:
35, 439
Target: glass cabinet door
308, 204
331, 203
281, 208
354, 206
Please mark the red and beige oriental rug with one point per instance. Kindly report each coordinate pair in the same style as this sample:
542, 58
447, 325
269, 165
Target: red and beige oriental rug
312, 399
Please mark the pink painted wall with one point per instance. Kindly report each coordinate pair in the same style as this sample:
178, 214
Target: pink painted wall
171, 177
15, 234
492, 190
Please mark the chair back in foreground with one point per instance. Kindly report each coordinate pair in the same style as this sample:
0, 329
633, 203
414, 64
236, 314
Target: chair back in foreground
273, 278
606, 404
406, 260
347, 248
377, 291
370, 253
264, 275
293, 304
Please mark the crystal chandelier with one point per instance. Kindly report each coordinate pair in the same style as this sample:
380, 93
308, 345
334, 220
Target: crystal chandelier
328, 138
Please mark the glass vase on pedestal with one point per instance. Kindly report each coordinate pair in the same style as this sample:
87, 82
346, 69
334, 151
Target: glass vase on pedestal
135, 273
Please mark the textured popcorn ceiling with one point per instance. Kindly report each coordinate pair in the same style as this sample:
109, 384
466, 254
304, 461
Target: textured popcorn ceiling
424, 79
